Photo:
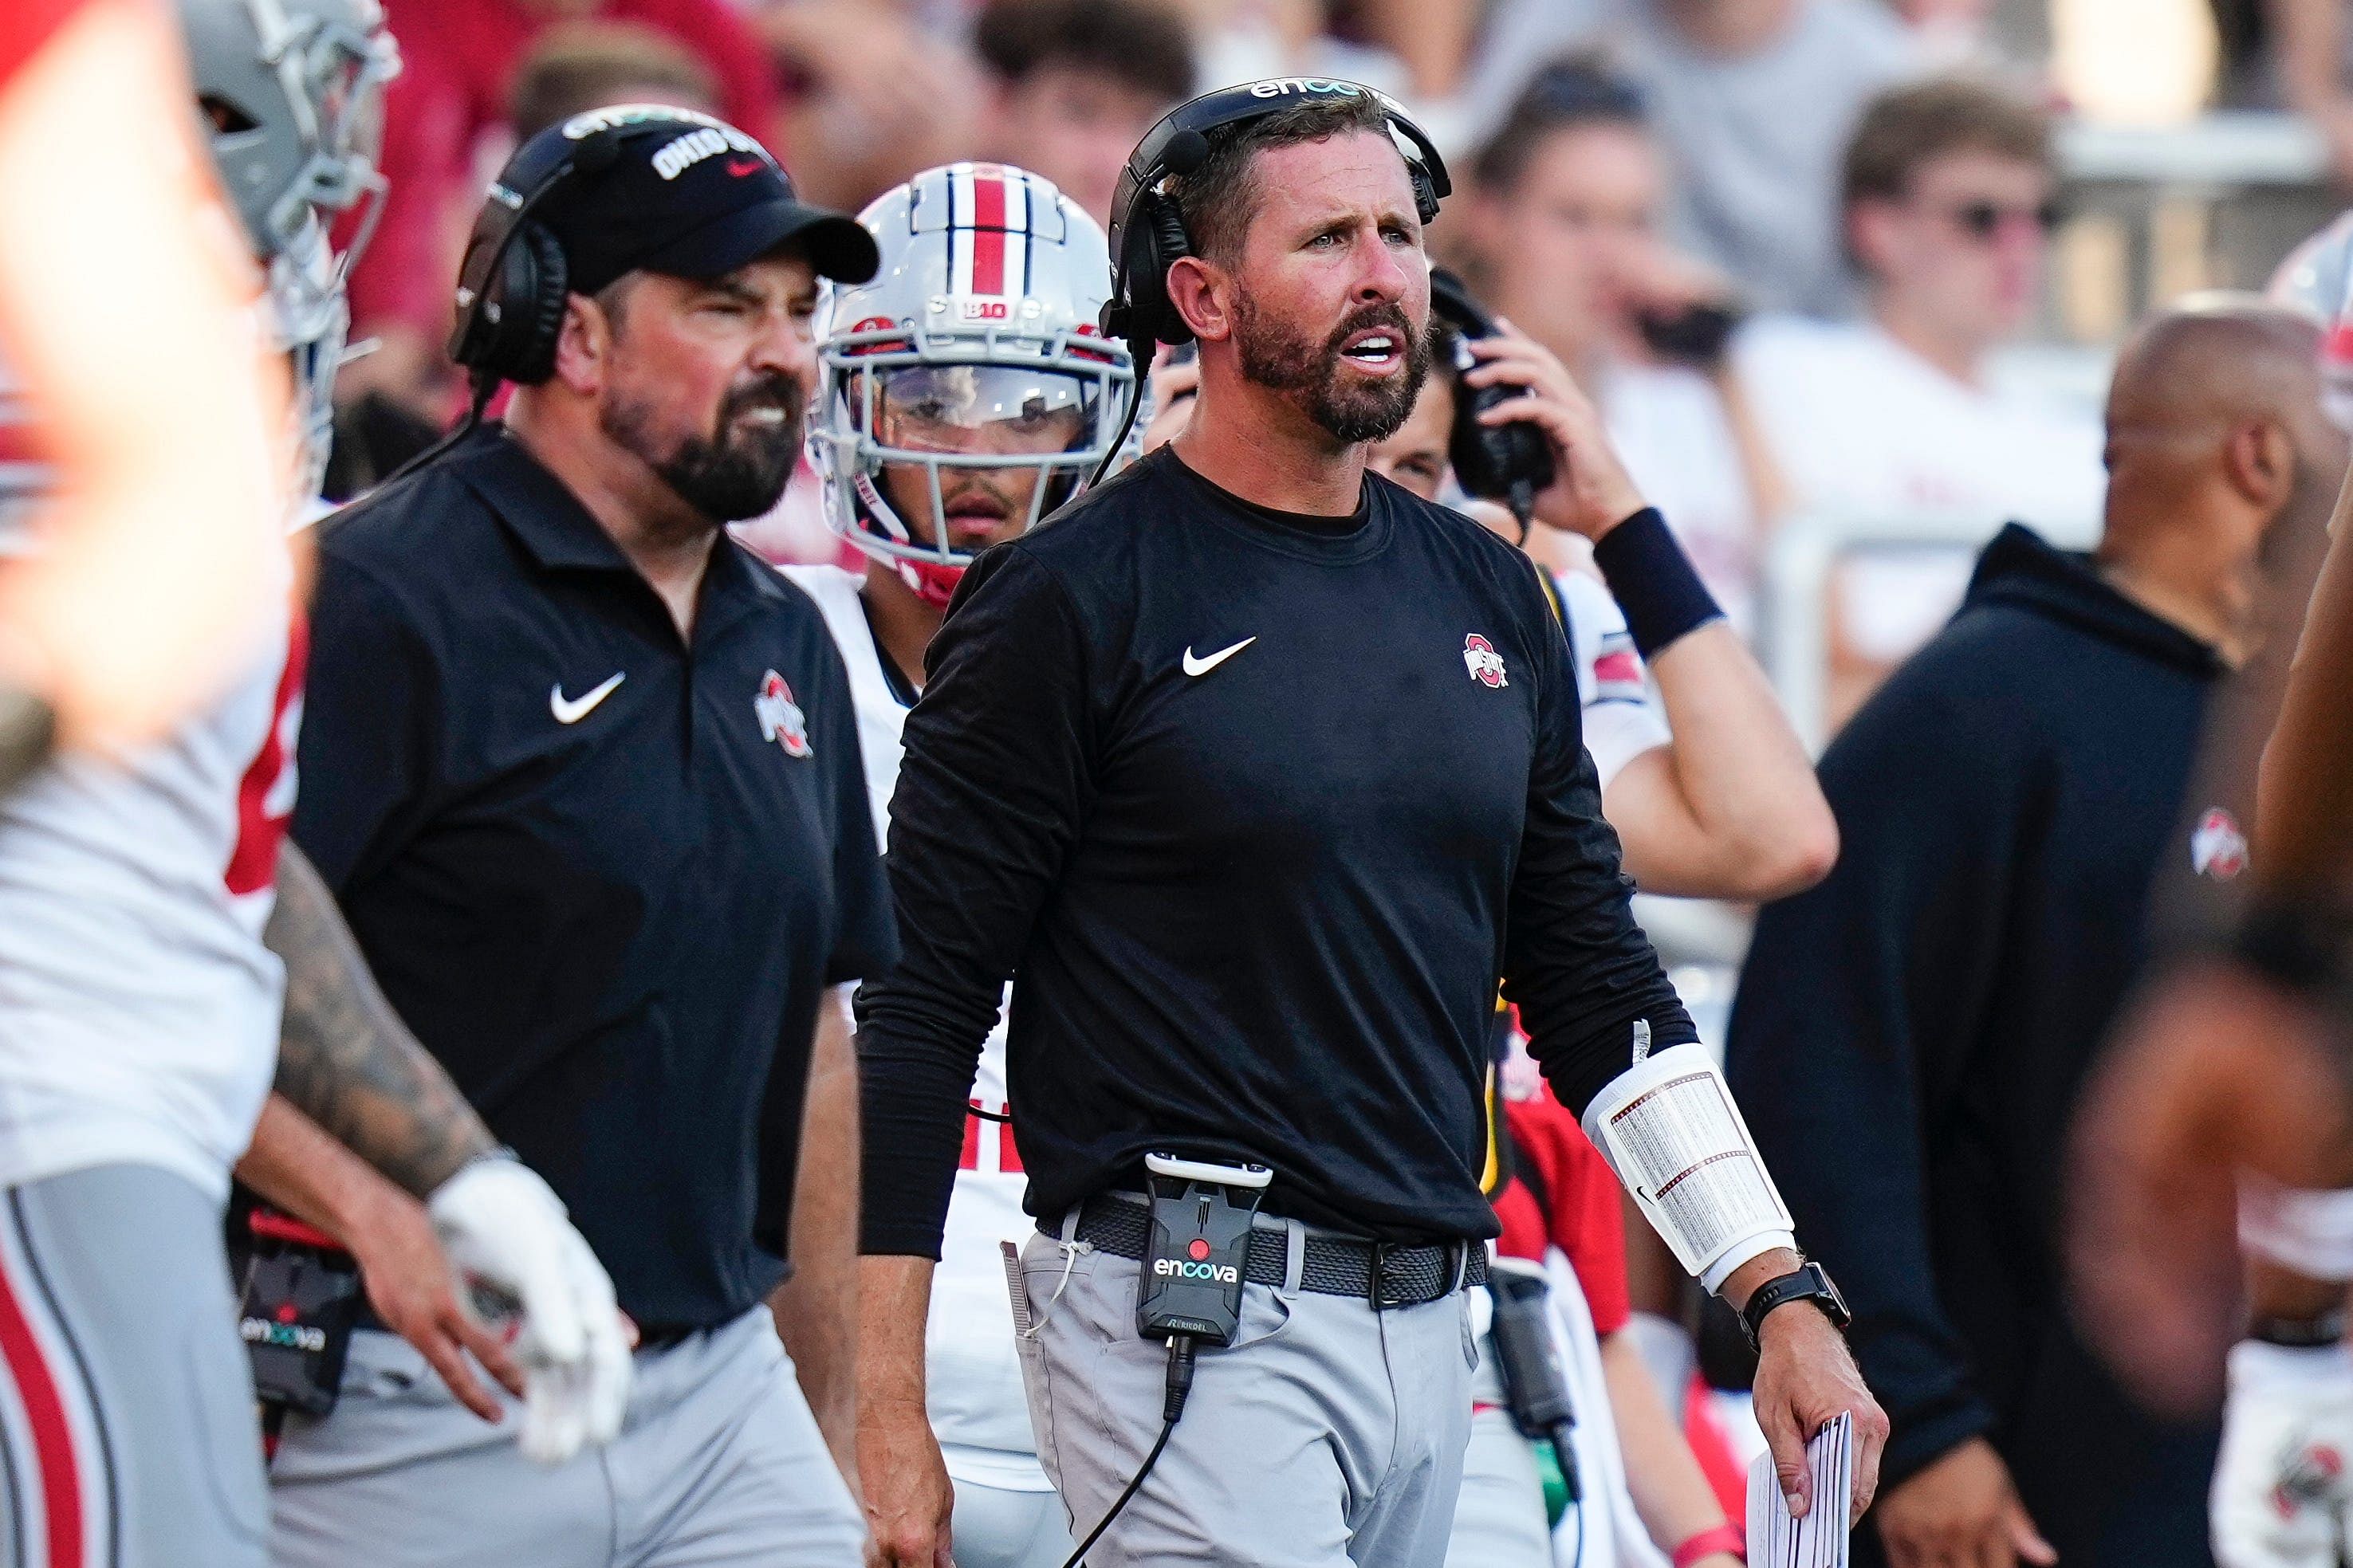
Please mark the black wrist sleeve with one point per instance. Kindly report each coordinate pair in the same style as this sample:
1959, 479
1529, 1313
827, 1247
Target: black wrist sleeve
1653, 582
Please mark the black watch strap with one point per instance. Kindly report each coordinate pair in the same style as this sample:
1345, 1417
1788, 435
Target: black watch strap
1809, 1283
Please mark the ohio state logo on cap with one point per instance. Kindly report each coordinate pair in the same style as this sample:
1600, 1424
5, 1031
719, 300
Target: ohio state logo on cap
1486, 666
780, 717
2217, 849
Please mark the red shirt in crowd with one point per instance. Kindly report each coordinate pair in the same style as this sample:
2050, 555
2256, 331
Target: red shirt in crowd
457, 59
1582, 1195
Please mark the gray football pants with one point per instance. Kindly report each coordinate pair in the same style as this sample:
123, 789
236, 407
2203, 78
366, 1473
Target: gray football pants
1327, 1435
997, 1527
719, 1465
128, 1435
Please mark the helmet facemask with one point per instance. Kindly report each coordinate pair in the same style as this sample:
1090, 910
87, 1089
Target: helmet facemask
292, 92
924, 429
309, 321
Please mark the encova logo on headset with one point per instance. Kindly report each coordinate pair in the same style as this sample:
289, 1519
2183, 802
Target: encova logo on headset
1177, 1268
1275, 86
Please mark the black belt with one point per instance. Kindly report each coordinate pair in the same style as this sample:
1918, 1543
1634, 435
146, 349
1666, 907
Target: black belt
1384, 1274
650, 1336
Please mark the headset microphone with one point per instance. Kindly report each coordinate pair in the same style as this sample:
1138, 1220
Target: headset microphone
508, 316
1186, 153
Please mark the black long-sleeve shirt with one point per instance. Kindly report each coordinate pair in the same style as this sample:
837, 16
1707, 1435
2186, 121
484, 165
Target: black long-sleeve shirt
1256, 911
1911, 1035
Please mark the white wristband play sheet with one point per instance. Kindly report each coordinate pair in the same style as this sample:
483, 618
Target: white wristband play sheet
1669, 1128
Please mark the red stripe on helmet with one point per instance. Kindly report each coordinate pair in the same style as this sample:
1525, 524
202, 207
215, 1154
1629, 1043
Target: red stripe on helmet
987, 234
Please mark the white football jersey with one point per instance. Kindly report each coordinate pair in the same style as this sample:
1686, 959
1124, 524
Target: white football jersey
1623, 720
139, 1009
975, 1375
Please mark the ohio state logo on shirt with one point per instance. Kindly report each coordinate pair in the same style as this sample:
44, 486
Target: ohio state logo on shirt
1486, 666
780, 717
2217, 849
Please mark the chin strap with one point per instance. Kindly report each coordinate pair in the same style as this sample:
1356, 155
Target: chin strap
934, 582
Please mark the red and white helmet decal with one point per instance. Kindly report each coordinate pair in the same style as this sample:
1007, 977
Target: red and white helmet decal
988, 229
990, 285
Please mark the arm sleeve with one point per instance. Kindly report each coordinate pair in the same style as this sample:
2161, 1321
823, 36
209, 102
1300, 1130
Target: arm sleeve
371, 709
1575, 963
1855, 1006
994, 784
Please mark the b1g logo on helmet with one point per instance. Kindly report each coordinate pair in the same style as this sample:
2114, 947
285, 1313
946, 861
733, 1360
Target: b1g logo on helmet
780, 717
1486, 666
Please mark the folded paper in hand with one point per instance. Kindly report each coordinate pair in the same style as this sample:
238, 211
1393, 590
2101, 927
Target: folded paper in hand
1820, 1540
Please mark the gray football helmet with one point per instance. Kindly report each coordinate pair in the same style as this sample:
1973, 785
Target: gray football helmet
291, 95
975, 341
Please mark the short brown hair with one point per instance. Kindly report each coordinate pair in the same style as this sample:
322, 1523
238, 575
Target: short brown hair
1577, 90
1217, 200
580, 65
1141, 45
1903, 129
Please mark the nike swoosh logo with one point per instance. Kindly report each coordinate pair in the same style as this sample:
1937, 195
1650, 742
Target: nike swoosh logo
1203, 665
572, 709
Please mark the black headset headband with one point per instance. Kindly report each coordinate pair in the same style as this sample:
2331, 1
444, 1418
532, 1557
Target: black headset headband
538, 171
1179, 145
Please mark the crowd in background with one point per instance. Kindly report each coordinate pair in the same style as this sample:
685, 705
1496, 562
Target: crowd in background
1784, 242
1786, 246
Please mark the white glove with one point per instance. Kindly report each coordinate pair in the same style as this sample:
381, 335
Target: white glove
2283, 1498
507, 1236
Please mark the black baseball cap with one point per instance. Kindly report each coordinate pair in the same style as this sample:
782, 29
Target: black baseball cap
656, 189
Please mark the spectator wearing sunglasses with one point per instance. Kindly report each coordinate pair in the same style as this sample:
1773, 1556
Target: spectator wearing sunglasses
1946, 212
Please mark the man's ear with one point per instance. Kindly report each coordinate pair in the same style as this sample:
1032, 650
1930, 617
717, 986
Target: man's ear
583, 344
1863, 229
2259, 459
1201, 292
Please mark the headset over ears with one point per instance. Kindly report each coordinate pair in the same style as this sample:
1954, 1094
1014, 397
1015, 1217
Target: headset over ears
511, 289
1147, 233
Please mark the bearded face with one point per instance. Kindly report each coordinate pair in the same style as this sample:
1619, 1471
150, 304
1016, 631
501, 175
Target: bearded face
734, 469
707, 382
1320, 375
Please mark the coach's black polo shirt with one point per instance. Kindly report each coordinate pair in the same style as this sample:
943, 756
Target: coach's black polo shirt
604, 874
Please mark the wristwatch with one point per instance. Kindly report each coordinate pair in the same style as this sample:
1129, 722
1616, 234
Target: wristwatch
2314, 1332
1810, 1282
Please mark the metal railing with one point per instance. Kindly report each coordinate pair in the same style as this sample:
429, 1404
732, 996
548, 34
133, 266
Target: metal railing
1794, 599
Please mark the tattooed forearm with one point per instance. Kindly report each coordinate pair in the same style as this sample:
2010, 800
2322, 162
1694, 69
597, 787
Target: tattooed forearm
344, 1058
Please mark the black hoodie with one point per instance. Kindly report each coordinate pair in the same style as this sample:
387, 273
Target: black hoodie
1911, 1035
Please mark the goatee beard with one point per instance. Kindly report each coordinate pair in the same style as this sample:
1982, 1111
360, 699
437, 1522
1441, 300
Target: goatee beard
732, 473
1275, 356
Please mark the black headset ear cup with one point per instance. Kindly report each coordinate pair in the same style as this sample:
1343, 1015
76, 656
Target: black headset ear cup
1166, 241
531, 291
1425, 191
